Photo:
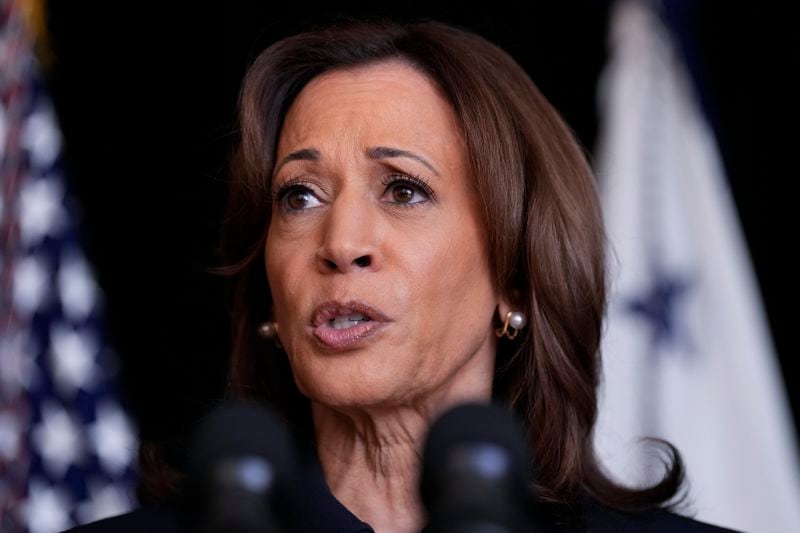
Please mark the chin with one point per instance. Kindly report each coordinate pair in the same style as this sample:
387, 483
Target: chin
349, 381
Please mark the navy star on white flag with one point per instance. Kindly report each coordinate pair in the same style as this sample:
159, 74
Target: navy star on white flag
687, 353
67, 448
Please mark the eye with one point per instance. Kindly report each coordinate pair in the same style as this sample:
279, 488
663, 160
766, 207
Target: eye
407, 190
294, 196
298, 199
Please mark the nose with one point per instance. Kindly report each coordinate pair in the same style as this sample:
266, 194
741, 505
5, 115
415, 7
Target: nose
350, 237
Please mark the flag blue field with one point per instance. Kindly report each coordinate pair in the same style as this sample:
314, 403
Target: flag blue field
687, 349
67, 448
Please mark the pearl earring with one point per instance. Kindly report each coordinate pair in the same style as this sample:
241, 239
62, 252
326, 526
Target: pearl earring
515, 320
269, 330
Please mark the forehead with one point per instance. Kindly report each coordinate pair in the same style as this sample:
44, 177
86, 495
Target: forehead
388, 103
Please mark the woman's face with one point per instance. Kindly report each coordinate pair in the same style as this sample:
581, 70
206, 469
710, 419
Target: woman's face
355, 221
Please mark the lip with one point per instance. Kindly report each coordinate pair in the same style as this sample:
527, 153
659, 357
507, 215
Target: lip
329, 310
343, 339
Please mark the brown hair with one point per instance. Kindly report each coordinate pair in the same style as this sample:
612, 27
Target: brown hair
545, 231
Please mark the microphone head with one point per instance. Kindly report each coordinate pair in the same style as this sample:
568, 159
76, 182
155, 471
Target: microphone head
476, 471
240, 464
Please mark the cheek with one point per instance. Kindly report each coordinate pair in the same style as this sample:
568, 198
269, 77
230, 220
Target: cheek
454, 295
459, 259
284, 275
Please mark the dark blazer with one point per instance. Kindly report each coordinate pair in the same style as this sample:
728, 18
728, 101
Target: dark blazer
164, 519
321, 512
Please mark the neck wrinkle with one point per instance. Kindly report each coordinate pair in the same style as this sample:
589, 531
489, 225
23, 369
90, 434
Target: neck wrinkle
385, 444
372, 463
371, 455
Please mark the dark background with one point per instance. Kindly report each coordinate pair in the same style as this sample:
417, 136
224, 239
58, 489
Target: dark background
146, 103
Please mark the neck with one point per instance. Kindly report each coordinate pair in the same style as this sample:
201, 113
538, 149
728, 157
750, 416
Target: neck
371, 457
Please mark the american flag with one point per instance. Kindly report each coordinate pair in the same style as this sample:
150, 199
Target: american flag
67, 448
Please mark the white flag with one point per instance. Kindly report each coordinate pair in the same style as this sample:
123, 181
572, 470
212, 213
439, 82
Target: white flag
687, 350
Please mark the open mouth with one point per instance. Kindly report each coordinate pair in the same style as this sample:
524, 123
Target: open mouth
347, 321
341, 326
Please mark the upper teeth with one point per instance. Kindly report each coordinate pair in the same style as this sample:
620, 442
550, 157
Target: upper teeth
353, 316
345, 321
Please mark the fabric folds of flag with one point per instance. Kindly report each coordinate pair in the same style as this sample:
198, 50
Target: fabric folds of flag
687, 349
66, 446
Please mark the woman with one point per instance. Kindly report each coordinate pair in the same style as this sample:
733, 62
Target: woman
414, 226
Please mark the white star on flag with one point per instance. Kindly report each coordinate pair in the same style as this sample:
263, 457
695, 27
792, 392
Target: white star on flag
40, 210
76, 286
40, 138
104, 501
31, 282
112, 438
47, 509
73, 356
58, 439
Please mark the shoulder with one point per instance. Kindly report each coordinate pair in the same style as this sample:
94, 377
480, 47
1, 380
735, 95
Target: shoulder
602, 519
161, 518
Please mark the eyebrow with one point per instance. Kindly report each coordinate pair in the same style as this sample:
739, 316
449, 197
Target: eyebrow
375, 152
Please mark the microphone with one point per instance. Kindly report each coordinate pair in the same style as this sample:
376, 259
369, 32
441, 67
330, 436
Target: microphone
476, 473
240, 466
